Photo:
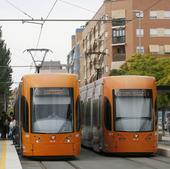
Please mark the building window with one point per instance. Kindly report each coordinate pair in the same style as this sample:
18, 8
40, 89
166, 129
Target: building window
167, 14
153, 32
94, 32
118, 35
153, 14
160, 14
139, 14
160, 32
140, 49
161, 49
139, 32
90, 36
167, 32
154, 48
167, 49
121, 50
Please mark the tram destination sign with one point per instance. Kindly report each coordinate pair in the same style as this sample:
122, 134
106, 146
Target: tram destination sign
133, 92
51, 91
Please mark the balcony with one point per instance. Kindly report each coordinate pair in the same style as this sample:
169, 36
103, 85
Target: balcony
119, 57
117, 40
118, 22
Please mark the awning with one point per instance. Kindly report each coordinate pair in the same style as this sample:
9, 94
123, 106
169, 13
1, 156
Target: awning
154, 48
167, 48
118, 14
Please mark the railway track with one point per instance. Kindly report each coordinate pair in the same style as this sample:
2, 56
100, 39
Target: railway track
45, 165
154, 162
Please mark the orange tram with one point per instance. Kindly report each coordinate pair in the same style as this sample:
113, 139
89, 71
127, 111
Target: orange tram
119, 114
48, 111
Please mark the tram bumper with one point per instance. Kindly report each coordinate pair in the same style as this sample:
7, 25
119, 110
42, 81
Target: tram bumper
54, 150
136, 143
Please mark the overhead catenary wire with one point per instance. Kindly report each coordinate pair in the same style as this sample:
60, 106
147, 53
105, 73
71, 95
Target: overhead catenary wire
51, 20
51, 10
30, 66
68, 20
44, 20
77, 6
62, 20
19, 9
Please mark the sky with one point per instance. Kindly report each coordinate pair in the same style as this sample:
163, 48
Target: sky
55, 36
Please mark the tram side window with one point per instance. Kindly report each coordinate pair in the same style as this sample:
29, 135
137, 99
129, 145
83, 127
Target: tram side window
107, 114
156, 115
78, 117
24, 113
88, 114
82, 105
95, 113
100, 111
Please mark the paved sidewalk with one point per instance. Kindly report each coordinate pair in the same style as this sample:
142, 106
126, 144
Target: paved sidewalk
164, 145
8, 156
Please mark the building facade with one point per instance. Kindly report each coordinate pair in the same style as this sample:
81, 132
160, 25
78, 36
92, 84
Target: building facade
120, 29
53, 67
73, 58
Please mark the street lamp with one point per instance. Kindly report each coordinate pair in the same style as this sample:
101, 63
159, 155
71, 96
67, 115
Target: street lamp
139, 15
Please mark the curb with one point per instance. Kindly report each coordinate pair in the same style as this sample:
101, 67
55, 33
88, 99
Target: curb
163, 151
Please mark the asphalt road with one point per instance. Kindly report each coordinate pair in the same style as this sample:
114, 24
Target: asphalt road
91, 160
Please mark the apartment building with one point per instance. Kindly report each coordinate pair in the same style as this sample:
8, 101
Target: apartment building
120, 29
73, 58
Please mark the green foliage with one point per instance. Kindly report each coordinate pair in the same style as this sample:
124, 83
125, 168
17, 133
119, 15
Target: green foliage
146, 65
163, 101
5, 72
115, 72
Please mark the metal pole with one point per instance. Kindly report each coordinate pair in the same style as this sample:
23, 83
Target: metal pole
163, 122
139, 43
139, 27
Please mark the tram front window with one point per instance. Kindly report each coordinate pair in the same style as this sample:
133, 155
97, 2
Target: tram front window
52, 110
133, 110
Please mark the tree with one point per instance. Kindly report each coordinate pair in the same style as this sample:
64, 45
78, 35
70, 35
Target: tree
5, 73
146, 65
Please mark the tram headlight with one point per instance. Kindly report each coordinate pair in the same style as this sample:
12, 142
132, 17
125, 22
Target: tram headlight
37, 140
67, 139
53, 137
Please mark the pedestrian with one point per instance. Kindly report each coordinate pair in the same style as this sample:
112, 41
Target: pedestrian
1, 125
11, 115
12, 126
168, 124
4, 120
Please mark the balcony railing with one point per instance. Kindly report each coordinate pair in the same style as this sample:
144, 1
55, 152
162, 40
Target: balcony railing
118, 22
120, 39
119, 57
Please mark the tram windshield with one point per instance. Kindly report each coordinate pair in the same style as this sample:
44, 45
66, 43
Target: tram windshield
133, 110
52, 110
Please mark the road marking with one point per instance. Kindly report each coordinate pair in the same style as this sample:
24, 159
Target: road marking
3, 155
